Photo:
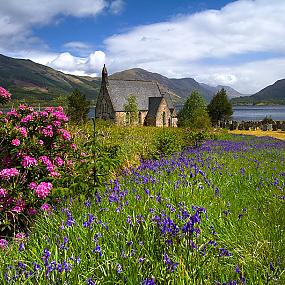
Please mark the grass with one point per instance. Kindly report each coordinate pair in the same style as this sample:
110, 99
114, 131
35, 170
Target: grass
208, 215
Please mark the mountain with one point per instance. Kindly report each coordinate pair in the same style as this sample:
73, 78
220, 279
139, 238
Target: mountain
182, 87
272, 94
32, 82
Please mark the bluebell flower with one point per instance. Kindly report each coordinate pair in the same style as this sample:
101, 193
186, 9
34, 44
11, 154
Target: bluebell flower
148, 281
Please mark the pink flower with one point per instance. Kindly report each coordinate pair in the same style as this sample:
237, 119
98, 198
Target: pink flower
65, 134
44, 114
27, 119
56, 123
7, 173
17, 209
15, 142
54, 174
49, 109
46, 207
22, 130
33, 185
3, 192
60, 116
58, 161
40, 142
32, 211
43, 189
47, 131
20, 206
73, 146
5, 96
13, 112
22, 107
3, 243
28, 161
45, 160
20, 236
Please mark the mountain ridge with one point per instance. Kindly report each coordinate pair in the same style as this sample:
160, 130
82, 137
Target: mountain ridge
32, 82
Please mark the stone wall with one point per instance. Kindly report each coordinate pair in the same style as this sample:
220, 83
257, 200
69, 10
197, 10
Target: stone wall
163, 115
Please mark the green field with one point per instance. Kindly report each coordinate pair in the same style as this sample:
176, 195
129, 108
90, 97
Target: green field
212, 214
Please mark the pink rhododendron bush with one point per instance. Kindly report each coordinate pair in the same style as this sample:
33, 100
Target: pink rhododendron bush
36, 154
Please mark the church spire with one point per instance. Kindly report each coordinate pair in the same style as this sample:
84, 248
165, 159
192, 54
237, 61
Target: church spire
104, 74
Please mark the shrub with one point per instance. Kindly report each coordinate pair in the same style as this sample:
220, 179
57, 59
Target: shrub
166, 143
36, 153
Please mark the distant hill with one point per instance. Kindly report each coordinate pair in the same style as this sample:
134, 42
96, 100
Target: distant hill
182, 87
35, 83
272, 94
32, 82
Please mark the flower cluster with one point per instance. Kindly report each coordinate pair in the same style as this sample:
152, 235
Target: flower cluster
36, 152
5, 96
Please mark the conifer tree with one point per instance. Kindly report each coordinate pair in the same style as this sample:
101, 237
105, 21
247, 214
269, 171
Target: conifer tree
78, 107
220, 108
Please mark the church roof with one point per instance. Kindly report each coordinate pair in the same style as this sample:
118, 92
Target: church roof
120, 90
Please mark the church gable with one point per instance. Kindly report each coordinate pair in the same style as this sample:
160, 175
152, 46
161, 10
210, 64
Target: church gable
152, 106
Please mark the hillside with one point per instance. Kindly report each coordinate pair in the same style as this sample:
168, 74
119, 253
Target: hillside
32, 82
35, 83
272, 94
182, 87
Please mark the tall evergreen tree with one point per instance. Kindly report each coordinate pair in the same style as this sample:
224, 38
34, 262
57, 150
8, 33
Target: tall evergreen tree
194, 113
220, 108
78, 107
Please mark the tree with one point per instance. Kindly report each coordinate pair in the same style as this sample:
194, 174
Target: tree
78, 107
194, 113
131, 109
220, 108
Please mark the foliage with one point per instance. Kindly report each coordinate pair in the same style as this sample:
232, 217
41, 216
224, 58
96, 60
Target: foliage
220, 109
207, 215
36, 153
194, 113
131, 109
195, 138
78, 107
166, 143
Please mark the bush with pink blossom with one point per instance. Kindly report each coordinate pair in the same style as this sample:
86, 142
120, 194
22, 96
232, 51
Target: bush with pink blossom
36, 155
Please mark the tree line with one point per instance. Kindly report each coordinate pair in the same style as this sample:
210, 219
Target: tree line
195, 114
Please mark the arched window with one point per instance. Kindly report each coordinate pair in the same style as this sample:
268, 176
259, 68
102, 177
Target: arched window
104, 107
163, 119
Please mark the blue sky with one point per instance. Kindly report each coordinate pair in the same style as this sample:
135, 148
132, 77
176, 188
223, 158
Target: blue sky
237, 43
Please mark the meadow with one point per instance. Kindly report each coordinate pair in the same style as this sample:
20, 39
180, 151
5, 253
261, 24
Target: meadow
158, 212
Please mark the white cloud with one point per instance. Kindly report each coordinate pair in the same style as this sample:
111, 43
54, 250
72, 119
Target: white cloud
75, 45
18, 19
68, 63
181, 46
117, 6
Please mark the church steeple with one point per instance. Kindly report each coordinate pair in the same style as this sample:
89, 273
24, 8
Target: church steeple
104, 74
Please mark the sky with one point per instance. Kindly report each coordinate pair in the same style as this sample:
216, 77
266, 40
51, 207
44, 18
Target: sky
219, 42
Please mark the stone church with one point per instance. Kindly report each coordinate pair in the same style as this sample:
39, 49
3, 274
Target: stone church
155, 107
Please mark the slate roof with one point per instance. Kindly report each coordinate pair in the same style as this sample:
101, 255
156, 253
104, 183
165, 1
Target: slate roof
120, 90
